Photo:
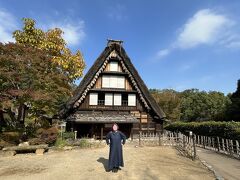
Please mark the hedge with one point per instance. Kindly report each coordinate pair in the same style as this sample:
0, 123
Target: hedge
227, 130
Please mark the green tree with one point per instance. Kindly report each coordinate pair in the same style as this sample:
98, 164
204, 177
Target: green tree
51, 41
29, 80
233, 110
201, 106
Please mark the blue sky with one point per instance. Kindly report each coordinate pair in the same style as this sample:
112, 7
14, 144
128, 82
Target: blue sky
173, 44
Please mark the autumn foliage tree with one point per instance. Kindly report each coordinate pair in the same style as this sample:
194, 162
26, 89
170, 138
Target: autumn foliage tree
37, 73
51, 41
169, 100
192, 104
29, 80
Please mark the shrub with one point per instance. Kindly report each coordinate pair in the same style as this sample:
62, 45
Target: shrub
68, 135
11, 137
45, 136
227, 130
60, 142
49, 136
84, 143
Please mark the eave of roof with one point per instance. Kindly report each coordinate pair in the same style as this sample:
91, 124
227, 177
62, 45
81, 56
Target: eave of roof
91, 117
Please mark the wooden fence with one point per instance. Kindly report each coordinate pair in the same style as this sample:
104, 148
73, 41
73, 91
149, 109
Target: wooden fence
184, 143
225, 146
188, 144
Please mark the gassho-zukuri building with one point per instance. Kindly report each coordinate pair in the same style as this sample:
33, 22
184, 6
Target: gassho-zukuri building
112, 91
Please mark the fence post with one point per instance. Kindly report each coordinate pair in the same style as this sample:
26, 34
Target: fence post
184, 143
218, 144
223, 145
237, 148
159, 134
213, 143
204, 142
209, 142
75, 135
194, 147
231, 147
201, 141
227, 145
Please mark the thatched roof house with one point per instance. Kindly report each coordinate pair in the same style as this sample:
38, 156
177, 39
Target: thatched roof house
112, 91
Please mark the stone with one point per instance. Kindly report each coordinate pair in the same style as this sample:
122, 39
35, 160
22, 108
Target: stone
39, 151
24, 144
67, 148
10, 153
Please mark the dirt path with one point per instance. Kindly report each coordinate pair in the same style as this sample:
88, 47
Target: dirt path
140, 163
226, 167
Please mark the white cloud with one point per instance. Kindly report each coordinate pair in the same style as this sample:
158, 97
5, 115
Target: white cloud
7, 26
73, 32
162, 53
206, 27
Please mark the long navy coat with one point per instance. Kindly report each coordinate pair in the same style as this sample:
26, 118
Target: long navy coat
115, 139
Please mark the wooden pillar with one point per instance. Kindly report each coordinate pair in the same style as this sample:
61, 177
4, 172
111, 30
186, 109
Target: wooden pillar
131, 133
101, 132
148, 128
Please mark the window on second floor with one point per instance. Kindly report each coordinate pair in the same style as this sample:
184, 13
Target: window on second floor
131, 99
117, 99
93, 99
112, 99
108, 99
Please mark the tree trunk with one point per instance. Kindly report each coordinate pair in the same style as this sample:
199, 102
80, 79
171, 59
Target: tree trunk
2, 121
11, 114
21, 114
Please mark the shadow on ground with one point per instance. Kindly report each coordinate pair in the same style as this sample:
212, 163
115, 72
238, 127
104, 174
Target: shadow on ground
104, 161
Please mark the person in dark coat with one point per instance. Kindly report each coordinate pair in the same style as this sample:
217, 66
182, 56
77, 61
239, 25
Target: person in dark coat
115, 139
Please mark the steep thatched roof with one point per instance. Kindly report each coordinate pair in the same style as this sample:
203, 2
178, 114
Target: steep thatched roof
143, 90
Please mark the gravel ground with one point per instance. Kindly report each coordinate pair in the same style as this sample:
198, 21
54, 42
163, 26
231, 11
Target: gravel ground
140, 163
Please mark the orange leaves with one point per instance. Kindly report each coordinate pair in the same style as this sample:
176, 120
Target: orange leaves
51, 41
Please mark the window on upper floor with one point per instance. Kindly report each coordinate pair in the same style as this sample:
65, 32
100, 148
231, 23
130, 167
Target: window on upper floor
117, 99
113, 66
93, 99
109, 81
131, 99
108, 99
